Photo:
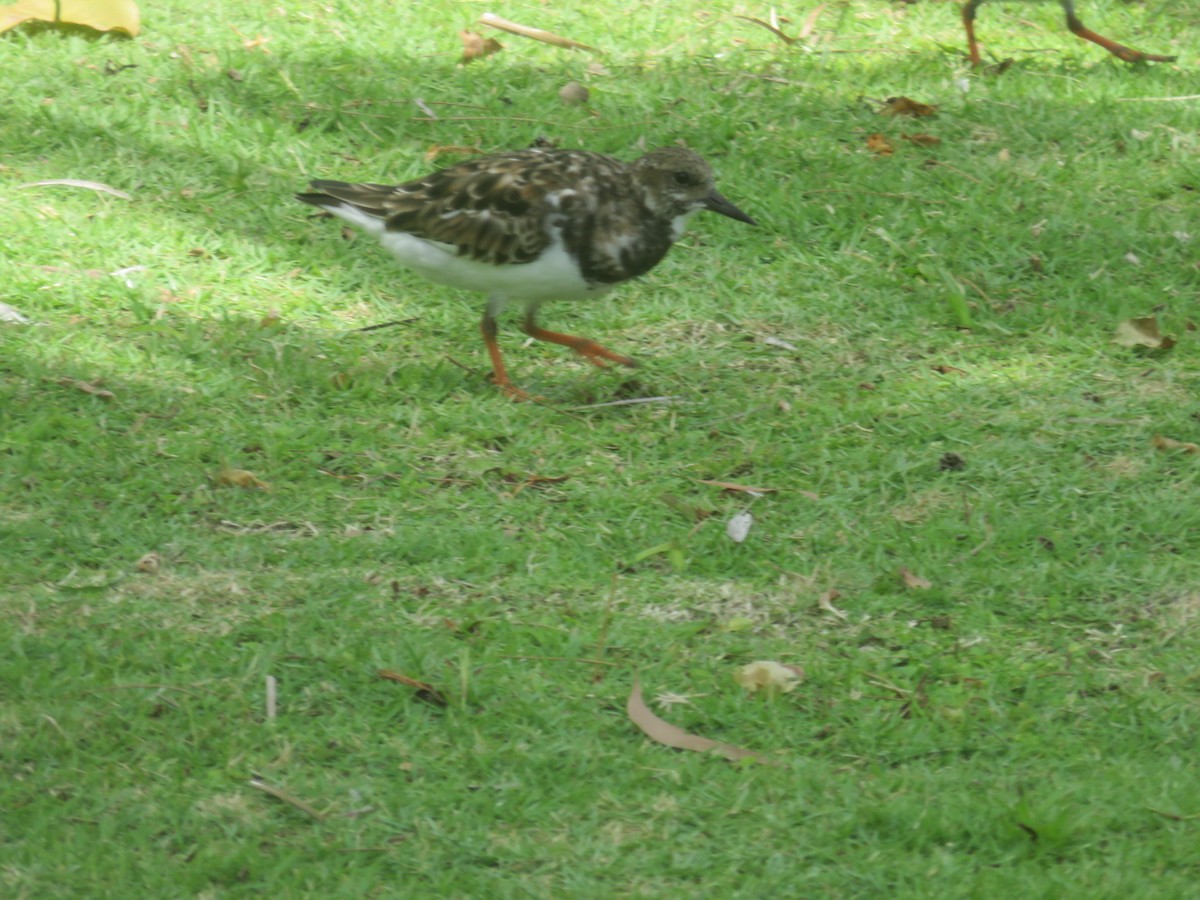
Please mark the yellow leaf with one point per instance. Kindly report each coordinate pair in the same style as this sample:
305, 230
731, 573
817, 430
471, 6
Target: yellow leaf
1165, 443
102, 15
476, 46
769, 678
1143, 332
240, 478
913, 580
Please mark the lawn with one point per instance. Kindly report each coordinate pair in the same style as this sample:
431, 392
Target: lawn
974, 526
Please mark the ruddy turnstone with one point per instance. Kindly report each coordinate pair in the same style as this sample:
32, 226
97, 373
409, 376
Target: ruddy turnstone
1074, 24
534, 225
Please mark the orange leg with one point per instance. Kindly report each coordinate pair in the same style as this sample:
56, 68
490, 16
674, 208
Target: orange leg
968, 17
1118, 50
499, 373
588, 349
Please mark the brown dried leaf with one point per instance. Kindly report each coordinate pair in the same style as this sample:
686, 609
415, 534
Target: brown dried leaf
880, 145
424, 691
240, 478
476, 46
913, 580
88, 387
101, 15
149, 563
1165, 443
1143, 332
903, 106
921, 140
949, 370
669, 735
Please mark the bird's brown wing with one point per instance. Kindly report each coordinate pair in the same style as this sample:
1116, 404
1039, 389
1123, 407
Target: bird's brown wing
494, 209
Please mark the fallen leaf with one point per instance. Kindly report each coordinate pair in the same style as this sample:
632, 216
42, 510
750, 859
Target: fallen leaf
921, 140
573, 94
476, 46
669, 735
825, 601
101, 15
240, 478
88, 387
768, 678
903, 106
1142, 332
1165, 443
149, 563
914, 581
424, 691
949, 370
879, 145
739, 526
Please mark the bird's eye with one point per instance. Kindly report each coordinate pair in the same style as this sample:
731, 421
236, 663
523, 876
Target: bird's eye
683, 179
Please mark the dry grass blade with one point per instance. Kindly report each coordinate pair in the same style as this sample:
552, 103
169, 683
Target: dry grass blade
537, 34
663, 732
280, 794
75, 182
423, 690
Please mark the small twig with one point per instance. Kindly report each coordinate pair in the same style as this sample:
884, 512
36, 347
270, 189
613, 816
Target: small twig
283, 795
771, 28
384, 325
537, 34
630, 402
942, 165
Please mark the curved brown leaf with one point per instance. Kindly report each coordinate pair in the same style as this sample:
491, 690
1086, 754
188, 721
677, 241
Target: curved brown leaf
663, 732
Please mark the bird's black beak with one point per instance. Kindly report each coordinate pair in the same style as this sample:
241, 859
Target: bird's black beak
719, 204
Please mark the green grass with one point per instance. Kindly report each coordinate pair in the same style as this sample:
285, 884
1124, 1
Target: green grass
1025, 726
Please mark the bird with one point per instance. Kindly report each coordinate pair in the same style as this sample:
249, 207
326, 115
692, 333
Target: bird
1074, 24
534, 225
